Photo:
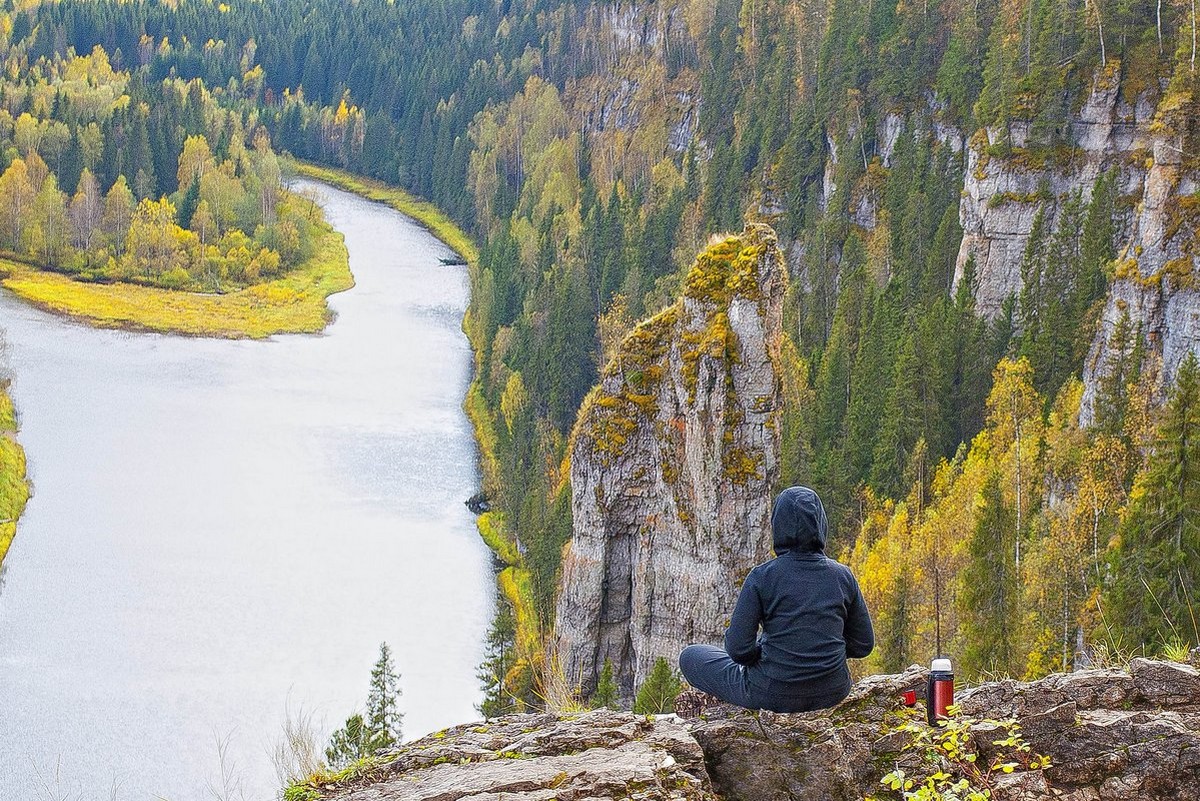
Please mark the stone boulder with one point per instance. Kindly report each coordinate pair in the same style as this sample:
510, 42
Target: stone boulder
601, 754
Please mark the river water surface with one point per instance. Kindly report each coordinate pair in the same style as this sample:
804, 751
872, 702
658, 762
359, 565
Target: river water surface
221, 528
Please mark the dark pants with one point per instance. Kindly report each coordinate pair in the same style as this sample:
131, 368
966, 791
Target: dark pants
712, 670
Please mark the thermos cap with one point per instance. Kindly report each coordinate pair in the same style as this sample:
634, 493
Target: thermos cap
941, 665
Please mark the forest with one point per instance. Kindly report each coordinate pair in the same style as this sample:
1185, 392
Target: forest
111, 176
963, 486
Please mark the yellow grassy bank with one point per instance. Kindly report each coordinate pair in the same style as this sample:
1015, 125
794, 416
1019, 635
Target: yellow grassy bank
424, 212
294, 303
14, 491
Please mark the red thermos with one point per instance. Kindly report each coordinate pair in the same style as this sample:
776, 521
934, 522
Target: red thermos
940, 691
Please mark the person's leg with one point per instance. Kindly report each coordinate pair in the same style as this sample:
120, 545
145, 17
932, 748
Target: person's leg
822, 693
711, 670
801, 703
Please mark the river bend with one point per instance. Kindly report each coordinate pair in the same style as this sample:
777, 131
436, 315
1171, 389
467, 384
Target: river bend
221, 528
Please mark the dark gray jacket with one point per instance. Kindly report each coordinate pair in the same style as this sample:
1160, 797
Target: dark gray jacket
809, 607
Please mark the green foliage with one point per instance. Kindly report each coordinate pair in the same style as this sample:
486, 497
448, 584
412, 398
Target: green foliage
488, 110
991, 583
112, 138
14, 488
657, 694
1062, 280
948, 763
1156, 559
351, 742
499, 658
606, 693
380, 727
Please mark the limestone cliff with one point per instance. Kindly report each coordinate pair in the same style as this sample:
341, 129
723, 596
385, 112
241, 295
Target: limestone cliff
1154, 277
1109, 735
672, 462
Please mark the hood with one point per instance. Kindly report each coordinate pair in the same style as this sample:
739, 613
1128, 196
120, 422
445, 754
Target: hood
798, 522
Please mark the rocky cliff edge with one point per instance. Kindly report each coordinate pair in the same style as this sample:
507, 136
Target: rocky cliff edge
1107, 735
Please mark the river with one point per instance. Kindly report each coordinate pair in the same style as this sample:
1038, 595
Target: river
224, 529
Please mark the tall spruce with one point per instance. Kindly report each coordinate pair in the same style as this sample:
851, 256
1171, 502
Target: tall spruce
991, 588
379, 726
1155, 563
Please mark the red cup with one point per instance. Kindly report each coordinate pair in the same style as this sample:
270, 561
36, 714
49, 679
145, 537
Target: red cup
910, 698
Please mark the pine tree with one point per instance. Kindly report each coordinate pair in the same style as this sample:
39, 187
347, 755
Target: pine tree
1155, 562
901, 424
380, 727
1112, 396
1053, 302
991, 589
871, 382
1096, 251
498, 660
995, 102
605, 695
657, 694
70, 165
187, 205
350, 743
384, 718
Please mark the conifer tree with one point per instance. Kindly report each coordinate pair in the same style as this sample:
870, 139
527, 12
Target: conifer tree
384, 718
657, 694
187, 205
1155, 562
498, 660
605, 695
868, 319
991, 591
1112, 396
363, 735
901, 423
350, 743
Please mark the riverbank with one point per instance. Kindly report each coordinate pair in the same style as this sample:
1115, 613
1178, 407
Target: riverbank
292, 304
513, 580
185, 491
436, 221
14, 489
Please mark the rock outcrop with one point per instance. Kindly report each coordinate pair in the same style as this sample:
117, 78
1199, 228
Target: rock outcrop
1155, 280
1002, 194
1109, 735
672, 462
598, 755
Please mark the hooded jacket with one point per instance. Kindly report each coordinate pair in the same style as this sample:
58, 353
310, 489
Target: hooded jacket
809, 607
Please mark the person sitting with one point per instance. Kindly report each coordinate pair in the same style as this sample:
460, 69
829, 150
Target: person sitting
812, 615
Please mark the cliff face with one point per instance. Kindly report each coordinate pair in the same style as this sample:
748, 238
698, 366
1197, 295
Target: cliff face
673, 459
1109, 735
1157, 245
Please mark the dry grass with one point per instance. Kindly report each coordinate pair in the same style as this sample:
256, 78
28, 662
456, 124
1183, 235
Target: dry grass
297, 754
295, 303
14, 489
560, 692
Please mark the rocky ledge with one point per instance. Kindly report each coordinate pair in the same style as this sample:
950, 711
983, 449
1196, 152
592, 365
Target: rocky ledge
1107, 735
